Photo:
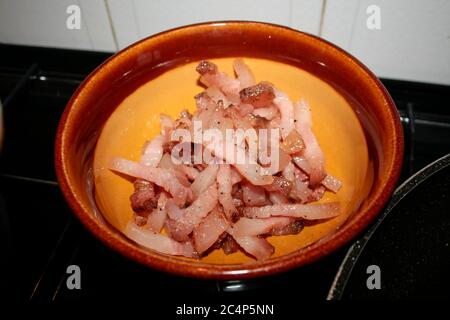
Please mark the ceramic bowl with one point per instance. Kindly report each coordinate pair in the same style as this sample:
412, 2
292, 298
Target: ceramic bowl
116, 109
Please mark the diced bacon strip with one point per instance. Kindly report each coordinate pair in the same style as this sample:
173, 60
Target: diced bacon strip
181, 228
157, 218
184, 121
204, 102
167, 163
332, 183
280, 185
302, 163
275, 123
153, 151
288, 172
178, 230
278, 198
245, 109
268, 113
210, 76
221, 123
293, 227
191, 172
254, 173
259, 96
301, 175
255, 227
235, 176
312, 153
242, 123
244, 74
167, 125
225, 185
204, 180
304, 211
183, 172
316, 194
253, 195
173, 211
205, 202
287, 113
300, 191
217, 96
283, 161
159, 242
209, 230
209, 115
165, 178
259, 248
293, 143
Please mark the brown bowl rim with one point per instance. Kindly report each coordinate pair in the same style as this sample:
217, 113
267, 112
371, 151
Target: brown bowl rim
177, 266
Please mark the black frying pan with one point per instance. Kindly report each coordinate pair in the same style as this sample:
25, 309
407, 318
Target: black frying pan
410, 243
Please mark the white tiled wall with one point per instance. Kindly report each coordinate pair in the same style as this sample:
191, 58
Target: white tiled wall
43, 23
413, 43
306, 15
143, 18
108, 25
137, 19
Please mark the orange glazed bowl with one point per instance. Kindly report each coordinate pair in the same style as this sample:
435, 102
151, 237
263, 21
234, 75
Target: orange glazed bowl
116, 109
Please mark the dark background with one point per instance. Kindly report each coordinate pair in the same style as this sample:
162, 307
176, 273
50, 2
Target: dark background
40, 237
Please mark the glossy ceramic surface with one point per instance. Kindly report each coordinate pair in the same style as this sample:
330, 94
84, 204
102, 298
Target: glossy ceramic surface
365, 118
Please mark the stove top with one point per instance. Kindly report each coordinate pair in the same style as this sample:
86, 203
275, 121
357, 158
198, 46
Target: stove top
41, 237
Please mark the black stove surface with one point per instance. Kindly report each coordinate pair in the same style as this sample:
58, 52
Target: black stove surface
42, 237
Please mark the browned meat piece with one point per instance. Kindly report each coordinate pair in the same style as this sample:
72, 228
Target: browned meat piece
178, 230
229, 245
279, 184
256, 121
143, 199
168, 146
205, 67
316, 194
185, 114
140, 220
141, 184
199, 166
238, 214
218, 244
260, 95
293, 143
293, 228
184, 121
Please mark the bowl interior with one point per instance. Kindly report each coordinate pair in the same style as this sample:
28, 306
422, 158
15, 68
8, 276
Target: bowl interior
137, 119
116, 109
